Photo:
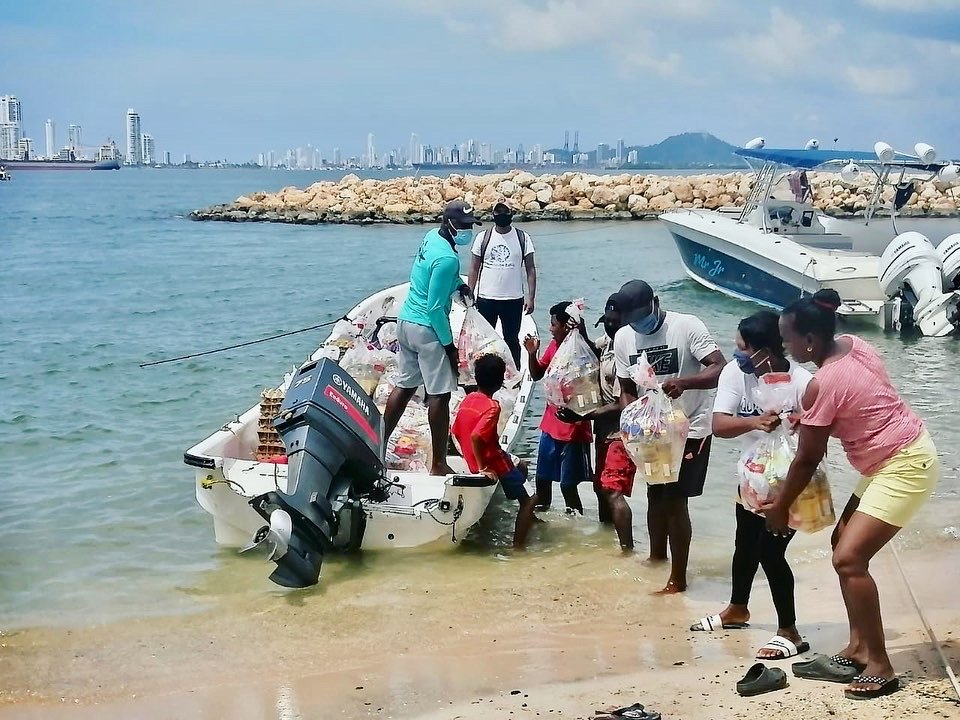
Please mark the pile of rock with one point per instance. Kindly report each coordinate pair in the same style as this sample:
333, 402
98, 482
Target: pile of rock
569, 196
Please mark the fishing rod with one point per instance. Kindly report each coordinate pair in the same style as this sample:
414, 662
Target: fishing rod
244, 344
926, 625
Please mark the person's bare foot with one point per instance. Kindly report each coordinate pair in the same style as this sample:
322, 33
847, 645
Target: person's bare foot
738, 615
654, 562
443, 469
672, 588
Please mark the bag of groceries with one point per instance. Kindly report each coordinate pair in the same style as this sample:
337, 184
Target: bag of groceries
365, 364
653, 430
573, 379
478, 338
763, 466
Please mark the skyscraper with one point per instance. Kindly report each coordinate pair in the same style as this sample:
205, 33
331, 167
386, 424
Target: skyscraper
621, 152
50, 130
414, 156
11, 127
148, 149
73, 137
134, 139
371, 151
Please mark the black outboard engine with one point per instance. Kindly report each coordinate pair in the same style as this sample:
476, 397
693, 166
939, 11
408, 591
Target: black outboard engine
334, 438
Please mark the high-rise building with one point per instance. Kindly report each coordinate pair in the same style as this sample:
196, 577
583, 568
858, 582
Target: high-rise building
25, 149
337, 159
166, 158
148, 149
272, 159
50, 131
73, 137
11, 127
414, 156
621, 152
134, 138
603, 153
371, 151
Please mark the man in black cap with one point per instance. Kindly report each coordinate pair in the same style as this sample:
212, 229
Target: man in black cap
428, 355
502, 258
687, 362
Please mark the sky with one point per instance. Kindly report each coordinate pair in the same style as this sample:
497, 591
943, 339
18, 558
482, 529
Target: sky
233, 78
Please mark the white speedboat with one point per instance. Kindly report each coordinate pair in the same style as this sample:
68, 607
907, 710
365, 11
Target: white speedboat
772, 251
4, 175
411, 508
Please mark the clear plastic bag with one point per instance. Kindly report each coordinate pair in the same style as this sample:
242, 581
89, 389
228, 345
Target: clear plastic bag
573, 378
764, 465
409, 448
477, 338
365, 364
653, 430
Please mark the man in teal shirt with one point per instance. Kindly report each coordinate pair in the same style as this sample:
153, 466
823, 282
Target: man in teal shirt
428, 355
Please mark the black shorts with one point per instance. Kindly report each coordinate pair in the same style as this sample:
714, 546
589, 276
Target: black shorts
693, 472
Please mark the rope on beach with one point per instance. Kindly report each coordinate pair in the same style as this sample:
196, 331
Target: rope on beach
244, 344
926, 625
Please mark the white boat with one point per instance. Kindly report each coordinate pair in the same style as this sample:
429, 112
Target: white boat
415, 508
773, 251
4, 175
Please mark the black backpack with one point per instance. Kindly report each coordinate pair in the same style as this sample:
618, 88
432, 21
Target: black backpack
487, 234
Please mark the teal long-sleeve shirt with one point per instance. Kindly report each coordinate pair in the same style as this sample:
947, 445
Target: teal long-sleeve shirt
434, 278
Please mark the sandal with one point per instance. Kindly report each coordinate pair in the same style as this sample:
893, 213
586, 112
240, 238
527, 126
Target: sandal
712, 623
631, 712
826, 669
886, 686
785, 648
761, 679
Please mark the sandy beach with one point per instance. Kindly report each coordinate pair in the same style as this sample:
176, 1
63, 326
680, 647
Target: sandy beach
533, 636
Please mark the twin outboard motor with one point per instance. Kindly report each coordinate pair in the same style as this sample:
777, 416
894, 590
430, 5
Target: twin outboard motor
333, 434
912, 268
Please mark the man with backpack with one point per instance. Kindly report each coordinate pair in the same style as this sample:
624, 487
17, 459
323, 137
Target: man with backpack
502, 258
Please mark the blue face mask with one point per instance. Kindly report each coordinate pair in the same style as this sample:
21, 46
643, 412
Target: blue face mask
745, 362
463, 237
645, 326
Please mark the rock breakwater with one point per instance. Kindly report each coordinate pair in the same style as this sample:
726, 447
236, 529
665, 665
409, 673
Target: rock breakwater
568, 196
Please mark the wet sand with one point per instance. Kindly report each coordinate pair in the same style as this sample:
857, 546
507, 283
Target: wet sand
530, 636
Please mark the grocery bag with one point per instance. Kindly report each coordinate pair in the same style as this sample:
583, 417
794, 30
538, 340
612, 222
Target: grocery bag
478, 338
365, 364
573, 379
653, 430
764, 465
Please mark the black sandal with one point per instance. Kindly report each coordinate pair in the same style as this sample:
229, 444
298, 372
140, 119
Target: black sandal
886, 687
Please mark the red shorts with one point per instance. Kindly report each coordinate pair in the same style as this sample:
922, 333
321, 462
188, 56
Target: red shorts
618, 470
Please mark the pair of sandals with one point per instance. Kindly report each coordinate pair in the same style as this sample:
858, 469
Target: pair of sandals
840, 669
784, 648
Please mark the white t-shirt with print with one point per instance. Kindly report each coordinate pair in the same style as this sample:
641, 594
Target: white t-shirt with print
735, 395
502, 274
675, 351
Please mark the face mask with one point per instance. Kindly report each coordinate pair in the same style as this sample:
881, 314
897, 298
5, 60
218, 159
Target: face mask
648, 324
463, 237
502, 220
745, 362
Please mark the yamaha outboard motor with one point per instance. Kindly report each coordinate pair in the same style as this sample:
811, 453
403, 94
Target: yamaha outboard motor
333, 434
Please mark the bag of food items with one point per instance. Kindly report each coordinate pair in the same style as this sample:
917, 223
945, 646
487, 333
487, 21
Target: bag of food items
764, 465
365, 364
654, 432
477, 338
573, 379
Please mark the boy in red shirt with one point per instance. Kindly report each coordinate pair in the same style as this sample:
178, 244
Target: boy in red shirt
475, 429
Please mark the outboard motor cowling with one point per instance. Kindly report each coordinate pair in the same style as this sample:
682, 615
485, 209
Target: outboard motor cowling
910, 267
333, 434
949, 252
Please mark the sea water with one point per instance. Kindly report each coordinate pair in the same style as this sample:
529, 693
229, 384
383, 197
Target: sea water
102, 271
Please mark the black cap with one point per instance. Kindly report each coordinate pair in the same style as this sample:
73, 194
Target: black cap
634, 295
460, 212
613, 306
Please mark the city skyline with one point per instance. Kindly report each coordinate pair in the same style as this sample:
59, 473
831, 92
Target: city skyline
509, 73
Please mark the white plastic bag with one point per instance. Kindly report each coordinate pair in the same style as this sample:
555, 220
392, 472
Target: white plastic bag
764, 465
478, 338
653, 430
365, 364
573, 379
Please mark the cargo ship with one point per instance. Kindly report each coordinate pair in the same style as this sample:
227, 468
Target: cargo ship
108, 158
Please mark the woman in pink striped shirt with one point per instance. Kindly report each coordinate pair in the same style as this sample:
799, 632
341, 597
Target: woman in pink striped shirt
851, 398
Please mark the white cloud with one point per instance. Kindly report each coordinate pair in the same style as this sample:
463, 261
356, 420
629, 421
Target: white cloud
879, 80
910, 6
635, 61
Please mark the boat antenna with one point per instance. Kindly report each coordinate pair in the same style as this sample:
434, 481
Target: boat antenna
244, 344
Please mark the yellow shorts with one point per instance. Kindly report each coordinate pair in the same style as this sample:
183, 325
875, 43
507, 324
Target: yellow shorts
903, 483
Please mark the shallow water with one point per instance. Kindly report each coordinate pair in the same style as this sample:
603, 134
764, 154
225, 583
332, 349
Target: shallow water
102, 272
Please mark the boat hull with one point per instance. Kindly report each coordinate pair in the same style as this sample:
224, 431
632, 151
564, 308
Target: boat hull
62, 164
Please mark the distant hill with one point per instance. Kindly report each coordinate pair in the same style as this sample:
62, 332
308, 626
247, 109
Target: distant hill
687, 150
